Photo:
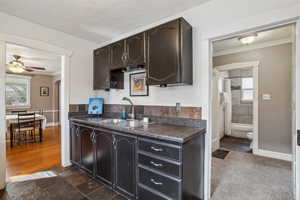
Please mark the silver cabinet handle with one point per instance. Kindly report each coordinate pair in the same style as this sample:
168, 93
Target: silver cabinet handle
155, 182
156, 149
77, 132
156, 164
92, 136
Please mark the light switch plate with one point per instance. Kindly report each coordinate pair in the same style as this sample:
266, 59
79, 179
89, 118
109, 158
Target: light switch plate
178, 107
266, 97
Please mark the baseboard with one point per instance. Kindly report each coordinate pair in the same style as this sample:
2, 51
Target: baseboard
275, 155
53, 124
66, 164
215, 144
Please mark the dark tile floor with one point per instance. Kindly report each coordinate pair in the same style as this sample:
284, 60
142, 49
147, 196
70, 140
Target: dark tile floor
235, 144
221, 154
66, 184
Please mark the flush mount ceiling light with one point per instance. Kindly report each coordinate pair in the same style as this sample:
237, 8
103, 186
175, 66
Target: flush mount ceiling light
248, 39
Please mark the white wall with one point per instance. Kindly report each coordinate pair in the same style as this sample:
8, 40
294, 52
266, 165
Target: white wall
81, 60
210, 20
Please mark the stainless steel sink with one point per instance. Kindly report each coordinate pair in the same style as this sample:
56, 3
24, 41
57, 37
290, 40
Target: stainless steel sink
113, 121
130, 123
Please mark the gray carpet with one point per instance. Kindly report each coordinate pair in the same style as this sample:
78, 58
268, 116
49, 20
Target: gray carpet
244, 176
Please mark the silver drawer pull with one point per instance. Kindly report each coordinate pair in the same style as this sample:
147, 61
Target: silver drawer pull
156, 164
156, 149
155, 182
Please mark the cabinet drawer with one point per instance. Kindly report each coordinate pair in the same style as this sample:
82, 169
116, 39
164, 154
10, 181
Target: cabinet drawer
162, 184
160, 149
171, 169
145, 194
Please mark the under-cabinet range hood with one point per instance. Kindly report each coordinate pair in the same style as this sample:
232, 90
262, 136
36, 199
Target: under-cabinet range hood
133, 68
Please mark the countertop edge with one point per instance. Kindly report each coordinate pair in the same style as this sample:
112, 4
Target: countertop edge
202, 130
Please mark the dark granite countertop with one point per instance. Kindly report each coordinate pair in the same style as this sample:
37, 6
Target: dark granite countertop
168, 132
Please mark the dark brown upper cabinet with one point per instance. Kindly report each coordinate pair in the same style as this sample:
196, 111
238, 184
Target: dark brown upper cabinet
101, 68
165, 51
170, 54
135, 47
105, 76
117, 51
129, 52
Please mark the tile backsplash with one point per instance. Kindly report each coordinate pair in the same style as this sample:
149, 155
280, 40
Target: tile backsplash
145, 110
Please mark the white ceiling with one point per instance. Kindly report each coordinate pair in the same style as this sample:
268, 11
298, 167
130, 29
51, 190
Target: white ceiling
35, 58
263, 37
95, 20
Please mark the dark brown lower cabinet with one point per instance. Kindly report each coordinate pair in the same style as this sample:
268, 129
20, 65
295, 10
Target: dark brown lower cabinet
104, 156
87, 149
139, 167
75, 145
125, 165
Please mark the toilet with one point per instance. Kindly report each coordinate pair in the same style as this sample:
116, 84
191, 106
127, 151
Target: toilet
250, 137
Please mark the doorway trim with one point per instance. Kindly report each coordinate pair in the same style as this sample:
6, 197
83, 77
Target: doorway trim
65, 91
208, 139
254, 65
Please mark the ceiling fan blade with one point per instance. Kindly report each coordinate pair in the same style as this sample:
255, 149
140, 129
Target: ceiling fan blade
28, 70
35, 68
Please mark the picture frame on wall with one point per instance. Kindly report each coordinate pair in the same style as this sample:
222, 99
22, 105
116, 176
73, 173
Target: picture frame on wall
44, 91
138, 84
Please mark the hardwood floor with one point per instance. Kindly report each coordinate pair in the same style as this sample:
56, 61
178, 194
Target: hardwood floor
34, 157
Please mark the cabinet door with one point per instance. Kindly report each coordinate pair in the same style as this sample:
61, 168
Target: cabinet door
163, 54
75, 145
117, 55
104, 156
136, 50
87, 153
125, 165
101, 68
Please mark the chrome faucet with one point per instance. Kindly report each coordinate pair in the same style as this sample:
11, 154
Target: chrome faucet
132, 106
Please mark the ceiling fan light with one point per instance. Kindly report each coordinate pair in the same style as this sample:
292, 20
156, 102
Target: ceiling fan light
17, 63
15, 69
248, 39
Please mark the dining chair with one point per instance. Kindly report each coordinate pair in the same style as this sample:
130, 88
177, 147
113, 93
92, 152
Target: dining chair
41, 112
26, 126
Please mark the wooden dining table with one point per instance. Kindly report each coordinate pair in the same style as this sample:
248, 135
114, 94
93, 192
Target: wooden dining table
12, 122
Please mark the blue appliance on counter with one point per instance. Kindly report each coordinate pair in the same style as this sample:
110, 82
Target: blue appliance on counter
95, 106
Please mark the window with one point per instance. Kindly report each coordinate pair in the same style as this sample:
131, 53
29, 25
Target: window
247, 89
17, 91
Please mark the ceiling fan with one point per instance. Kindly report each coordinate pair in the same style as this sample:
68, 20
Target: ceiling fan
17, 66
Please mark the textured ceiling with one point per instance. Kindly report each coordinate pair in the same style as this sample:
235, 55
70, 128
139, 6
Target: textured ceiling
95, 20
35, 58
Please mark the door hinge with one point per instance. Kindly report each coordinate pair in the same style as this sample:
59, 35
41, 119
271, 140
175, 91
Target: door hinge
298, 137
